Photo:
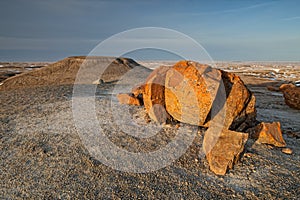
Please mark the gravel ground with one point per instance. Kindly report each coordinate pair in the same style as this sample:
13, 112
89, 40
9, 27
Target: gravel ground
43, 156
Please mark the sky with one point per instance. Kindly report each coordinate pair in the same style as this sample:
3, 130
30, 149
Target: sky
229, 30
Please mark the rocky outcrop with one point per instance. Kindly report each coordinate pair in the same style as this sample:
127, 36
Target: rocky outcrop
291, 95
269, 133
226, 151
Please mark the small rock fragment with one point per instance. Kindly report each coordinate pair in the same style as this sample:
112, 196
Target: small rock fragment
248, 155
287, 151
98, 82
226, 151
128, 99
269, 133
137, 91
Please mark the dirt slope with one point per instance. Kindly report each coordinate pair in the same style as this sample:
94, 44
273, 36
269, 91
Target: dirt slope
65, 72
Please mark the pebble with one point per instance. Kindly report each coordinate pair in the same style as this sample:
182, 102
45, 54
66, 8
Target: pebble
248, 155
287, 151
167, 125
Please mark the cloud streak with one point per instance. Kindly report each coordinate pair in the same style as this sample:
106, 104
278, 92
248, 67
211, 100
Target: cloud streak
235, 9
291, 18
247, 7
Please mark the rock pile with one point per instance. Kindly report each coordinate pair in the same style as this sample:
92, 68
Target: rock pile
188, 91
196, 94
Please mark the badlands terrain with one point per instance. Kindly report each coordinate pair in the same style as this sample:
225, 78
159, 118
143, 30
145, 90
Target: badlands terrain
44, 156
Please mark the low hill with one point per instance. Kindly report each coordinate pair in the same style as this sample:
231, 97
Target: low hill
64, 72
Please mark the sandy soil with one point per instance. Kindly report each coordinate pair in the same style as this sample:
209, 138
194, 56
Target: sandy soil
42, 155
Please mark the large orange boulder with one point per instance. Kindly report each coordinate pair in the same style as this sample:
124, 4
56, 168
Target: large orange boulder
226, 151
269, 133
154, 94
190, 91
196, 93
291, 95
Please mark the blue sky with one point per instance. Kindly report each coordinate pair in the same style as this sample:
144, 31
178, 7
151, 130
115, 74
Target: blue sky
229, 30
